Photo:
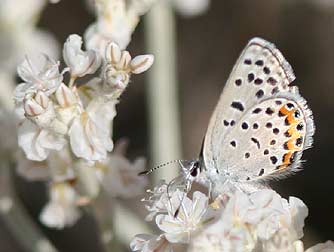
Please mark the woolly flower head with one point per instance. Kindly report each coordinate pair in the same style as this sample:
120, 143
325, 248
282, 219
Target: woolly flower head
258, 221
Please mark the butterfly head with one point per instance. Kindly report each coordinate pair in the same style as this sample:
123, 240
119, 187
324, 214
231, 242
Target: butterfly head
191, 168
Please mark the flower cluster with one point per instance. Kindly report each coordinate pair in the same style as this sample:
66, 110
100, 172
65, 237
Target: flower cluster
65, 130
259, 221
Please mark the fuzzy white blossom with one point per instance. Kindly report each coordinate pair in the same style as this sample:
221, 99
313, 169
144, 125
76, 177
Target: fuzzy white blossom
62, 210
188, 220
80, 62
41, 74
240, 222
157, 201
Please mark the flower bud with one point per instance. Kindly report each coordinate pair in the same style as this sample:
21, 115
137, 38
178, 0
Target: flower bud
34, 106
141, 63
65, 96
80, 62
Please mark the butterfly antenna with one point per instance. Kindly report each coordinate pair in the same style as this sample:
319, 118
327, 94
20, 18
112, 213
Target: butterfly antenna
158, 167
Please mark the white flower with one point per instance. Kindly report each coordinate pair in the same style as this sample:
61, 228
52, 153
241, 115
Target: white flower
119, 67
150, 243
43, 74
188, 220
157, 201
260, 221
61, 211
36, 142
80, 62
120, 176
40, 110
263, 209
191, 7
90, 133
230, 232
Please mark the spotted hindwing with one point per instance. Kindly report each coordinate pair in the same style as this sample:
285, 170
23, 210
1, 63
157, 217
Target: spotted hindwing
261, 125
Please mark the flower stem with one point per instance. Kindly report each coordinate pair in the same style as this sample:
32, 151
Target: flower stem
162, 89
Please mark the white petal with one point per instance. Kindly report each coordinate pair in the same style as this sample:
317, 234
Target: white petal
78, 139
27, 135
48, 140
200, 205
141, 63
299, 212
21, 90
26, 71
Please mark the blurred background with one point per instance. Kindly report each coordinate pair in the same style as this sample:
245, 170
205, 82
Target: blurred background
207, 47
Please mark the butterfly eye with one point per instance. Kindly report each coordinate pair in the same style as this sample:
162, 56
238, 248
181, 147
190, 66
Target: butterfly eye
195, 170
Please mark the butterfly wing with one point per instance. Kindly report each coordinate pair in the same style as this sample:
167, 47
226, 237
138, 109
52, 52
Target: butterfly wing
261, 125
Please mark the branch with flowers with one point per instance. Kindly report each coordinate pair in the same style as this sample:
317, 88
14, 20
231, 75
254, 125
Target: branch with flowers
68, 127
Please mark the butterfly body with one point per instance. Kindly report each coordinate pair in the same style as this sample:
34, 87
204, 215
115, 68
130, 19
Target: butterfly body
260, 126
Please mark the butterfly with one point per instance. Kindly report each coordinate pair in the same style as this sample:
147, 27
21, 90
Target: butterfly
259, 128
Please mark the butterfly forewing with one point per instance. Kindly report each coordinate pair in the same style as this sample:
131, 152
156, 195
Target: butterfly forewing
261, 125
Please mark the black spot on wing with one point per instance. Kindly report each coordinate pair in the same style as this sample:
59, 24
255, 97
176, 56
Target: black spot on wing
259, 94
237, 105
261, 172
256, 141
